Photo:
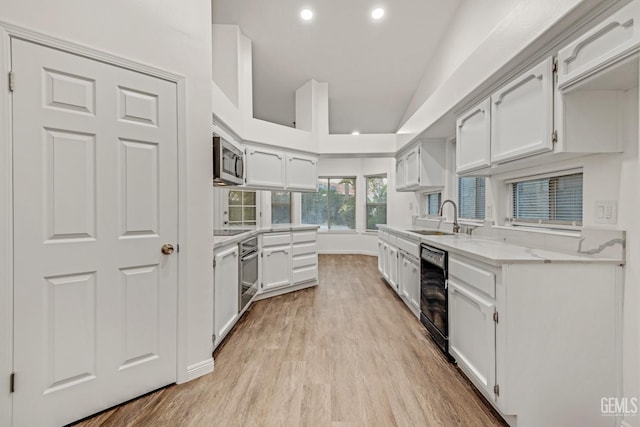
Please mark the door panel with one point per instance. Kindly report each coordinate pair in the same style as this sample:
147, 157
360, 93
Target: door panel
95, 197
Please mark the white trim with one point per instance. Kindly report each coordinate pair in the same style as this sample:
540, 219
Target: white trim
199, 369
340, 252
561, 172
6, 231
8, 31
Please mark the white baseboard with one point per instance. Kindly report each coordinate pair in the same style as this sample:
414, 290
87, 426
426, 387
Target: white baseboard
347, 253
199, 369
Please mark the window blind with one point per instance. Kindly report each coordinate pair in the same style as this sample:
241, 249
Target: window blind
549, 200
471, 197
433, 203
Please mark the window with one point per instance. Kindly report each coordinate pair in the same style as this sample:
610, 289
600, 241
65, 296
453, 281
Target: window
242, 208
432, 203
333, 207
471, 197
280, 207
376, 201
548, 200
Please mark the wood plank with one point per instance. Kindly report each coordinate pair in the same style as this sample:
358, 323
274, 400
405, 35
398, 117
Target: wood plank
345, 353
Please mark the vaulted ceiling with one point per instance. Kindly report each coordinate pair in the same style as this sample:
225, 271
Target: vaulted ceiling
372, 67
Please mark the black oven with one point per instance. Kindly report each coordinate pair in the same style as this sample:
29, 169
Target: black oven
248, 280
433, 295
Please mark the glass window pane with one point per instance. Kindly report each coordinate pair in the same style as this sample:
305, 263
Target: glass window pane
249, 214
280, 214
235, 197
376, 214
433, 203
280, 197
249, 198
377, 190
471, 197
235, 214
549, 200
315, 206
342, 203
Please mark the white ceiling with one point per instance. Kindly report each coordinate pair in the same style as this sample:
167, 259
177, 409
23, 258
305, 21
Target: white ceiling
373, 68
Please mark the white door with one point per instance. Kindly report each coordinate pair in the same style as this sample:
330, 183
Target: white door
265, 168
226, 291
522, 115
302, 173
276, 267
95, 187
473, 138
472, 335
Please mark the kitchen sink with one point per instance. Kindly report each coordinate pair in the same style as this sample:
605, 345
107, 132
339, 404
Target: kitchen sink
431, 232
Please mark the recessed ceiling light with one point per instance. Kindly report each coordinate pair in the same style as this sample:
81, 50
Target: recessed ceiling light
377, 13
355, 132
306, 14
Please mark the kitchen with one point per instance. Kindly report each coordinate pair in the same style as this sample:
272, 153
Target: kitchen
461, 139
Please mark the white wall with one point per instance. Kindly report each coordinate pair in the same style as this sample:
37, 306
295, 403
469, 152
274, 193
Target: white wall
226, 41
176, 37
400, 206
470, 25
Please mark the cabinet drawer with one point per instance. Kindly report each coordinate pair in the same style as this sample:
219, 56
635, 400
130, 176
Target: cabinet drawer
276, 239
476, 277
408, 246
304, 248
305, 261
304, 236
305, 274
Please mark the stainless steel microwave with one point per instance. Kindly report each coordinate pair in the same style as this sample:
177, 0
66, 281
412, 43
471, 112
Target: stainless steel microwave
228, 163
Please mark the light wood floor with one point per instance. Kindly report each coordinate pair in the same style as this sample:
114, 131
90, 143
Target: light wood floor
345, 353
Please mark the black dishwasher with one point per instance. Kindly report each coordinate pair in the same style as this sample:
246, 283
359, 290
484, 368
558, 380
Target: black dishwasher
433, 295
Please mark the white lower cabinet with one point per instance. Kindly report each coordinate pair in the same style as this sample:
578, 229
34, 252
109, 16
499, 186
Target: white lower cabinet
380, 256
472, 334
288, 259
538, 335
410, 282
276, 267
393, 268
225, 297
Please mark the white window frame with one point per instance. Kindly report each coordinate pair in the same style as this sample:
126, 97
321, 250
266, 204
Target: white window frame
511, 222
229, 223
333, 230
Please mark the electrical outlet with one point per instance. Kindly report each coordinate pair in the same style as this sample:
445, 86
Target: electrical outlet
606, 212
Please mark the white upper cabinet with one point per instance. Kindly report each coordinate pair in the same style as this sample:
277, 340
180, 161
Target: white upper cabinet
265, 168
606, 43
473, 138
522, 115
412, 161
401, 173
421, 166
301, 172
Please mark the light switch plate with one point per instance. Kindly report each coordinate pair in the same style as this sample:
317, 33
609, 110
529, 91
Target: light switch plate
605, 212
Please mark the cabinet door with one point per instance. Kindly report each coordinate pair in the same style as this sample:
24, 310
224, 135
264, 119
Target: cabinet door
381, 257
301, 173
412, 164
473, 138
393, 268
522, 115
605, 43
410, 282
265, 168
226, 290
472, 335
276, 267
385, 261
401, 173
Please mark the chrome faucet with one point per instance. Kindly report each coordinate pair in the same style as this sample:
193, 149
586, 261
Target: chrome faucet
456, 226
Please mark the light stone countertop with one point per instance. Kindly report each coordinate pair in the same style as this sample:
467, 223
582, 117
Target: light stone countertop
222, 241
495, 251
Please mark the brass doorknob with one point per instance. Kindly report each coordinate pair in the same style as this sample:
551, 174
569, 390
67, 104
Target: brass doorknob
167, 249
